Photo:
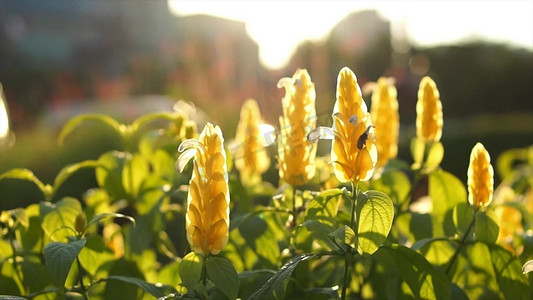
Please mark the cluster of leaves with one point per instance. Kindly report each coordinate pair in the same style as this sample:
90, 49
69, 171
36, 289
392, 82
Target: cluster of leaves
407, 233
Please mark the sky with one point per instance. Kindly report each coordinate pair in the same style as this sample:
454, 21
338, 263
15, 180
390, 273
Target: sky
279, 26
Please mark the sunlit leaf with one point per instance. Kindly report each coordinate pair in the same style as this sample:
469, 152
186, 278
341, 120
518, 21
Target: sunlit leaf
434, 156
133, 174
323, 208
394, 183
222, 273
445, 191
313, 232
375, 212
110, 176
417, 147
77, 121
346, 235
505, 161
463, 214
509, 274
59, 258
191, 270
95, 254
57, 218
486, 228
142, 121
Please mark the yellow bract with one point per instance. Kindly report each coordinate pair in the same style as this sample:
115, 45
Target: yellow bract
296, 155
428, 112
207, 218
385, 118
250, 155
480, 177
354, 153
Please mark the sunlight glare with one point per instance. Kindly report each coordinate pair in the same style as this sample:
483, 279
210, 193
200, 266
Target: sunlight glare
279, 27
4, 122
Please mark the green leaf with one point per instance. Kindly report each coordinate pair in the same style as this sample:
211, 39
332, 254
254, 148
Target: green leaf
375, 212
424, 242
445, 191
423, 279
253, 280
36, 276
77, 121
156, 290
67, 171
346, 235
57, 218
507, 160
324, 206
110, 176
133, 174
100, 217
417, 147
147, 118
191, 270
27, 175
59, 258
119, 289
222, 273
95, 254
509, 275
463, 213
394, 183
312, 231
434, 156
275, 287
528, 267
486, 228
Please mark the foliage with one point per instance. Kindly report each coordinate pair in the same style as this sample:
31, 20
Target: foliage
407, 233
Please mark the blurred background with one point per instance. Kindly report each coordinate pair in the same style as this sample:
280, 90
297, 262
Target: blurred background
59, 59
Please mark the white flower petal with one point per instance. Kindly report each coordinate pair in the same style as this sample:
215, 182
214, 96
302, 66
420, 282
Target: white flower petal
184, 158
285, 81
323, 133
269, 134
190, 143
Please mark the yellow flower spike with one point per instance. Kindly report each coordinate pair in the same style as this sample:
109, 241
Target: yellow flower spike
354, 152
428, 112
480, 178
250, 155
385, 117
207, 218
296, 155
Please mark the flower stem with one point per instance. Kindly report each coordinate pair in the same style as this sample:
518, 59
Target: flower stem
204, 272
348, 254
461, 244
80, 278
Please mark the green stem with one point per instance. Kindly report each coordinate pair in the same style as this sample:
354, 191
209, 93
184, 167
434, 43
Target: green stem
294, 213
15, 264
80, 278
204, 272
348, 254
461, 244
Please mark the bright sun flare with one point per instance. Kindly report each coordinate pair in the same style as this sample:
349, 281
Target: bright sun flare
279, 26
